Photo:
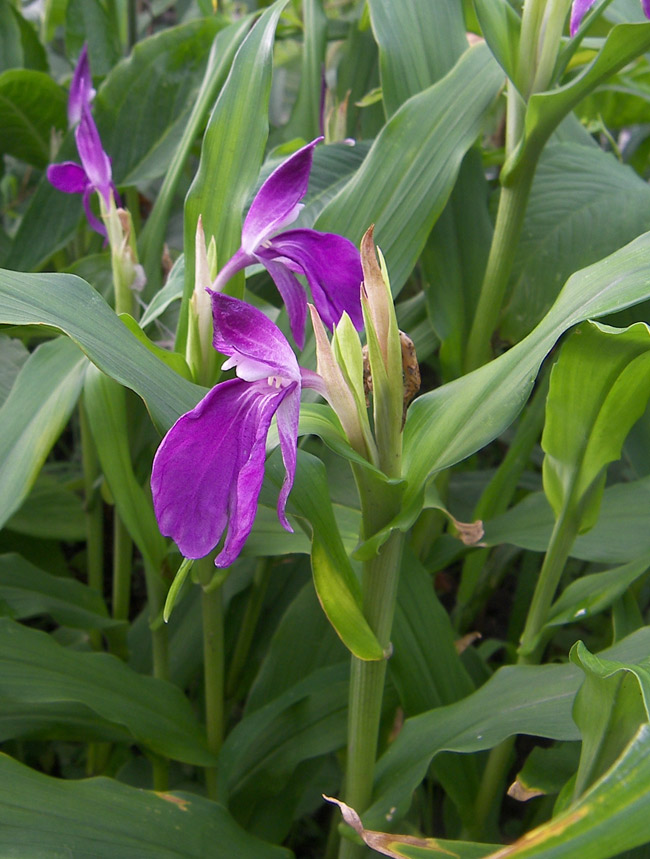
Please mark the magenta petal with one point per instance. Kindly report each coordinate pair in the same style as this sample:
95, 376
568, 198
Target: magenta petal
276, 203
67, 177
256, 345
93, 220
645, 4
288, 415
578, 12
95, 161
208, 471
293, 295
81, 89
236, 263
332, 267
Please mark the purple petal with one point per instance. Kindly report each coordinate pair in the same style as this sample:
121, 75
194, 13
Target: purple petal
236, 263
208, 471
293, 295
97, 225
95, 161
578, 12
256, 345
81, 89
67, 177
288, 415
645, 4
332, 267
276, 204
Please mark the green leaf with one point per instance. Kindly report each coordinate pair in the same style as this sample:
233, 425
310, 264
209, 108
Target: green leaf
599, 388
546, 110
50, 511
11, 54
32, 105
306, 114
412, 166
174, 360
105, 405
36, 671
523, 699
143, 105
27, 591
336, 584
501, 27
33, 417
609, 708
71, 305
94, 22
227, 173
13, 354
105, 819
450, 423
568, 225
419, 43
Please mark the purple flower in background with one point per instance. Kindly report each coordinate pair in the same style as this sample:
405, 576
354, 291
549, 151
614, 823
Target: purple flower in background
329, 262
580, 8
93, 174
81, 89
208, 470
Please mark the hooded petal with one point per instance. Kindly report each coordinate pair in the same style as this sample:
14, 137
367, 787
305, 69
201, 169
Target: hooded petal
95, 161
208, 471
578, 12
81, 89
332, 267
67, 177
256, 345
276, 204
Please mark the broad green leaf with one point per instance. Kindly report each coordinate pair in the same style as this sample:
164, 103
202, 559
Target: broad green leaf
105, 405
609, 709
36, 670
336, 583
332, 168
227, 172
269, 538
592, 594
411, 168
11, 54
546, 110
96, 23
31, 106
568, 225
171, 291
450, 423
27, 591
152, 238
174, 360
143, 105
599, 388
105, 819
419, 43
71, 305
523, 699
305, 119
34, 415
13, 354
621, 535
50, 511
501, 26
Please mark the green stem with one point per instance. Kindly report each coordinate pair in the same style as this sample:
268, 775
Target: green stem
94, 515
379, 585
122, 568
510, 217
213, 665
261, 580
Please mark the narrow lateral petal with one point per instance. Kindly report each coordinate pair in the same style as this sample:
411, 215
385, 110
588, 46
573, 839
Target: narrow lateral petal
332, 267
293, 295
256, 345
276, 203
95, 161
81, 89
578, 12
208, 457
67, 177
288, 415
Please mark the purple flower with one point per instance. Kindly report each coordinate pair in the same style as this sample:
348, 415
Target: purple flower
81, 89
208, 471
580, 8
330, 263
93, 174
